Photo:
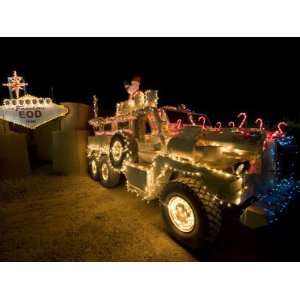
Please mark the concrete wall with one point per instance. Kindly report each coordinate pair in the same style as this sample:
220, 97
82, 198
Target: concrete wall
43, 139
14, 160
4, 127
77, 118
62, 141
69, 151
69, 143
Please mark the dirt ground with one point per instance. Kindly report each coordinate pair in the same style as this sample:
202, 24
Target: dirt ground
49, 217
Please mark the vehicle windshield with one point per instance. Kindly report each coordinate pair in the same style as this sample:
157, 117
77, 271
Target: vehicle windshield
174, 116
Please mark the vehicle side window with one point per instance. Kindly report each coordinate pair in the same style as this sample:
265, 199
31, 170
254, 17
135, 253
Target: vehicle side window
148, 129
174, 116
123, 125
107, 127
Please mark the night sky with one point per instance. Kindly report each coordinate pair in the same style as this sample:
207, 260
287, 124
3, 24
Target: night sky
217, 76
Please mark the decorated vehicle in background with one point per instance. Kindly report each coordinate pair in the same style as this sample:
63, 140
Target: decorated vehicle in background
194, 169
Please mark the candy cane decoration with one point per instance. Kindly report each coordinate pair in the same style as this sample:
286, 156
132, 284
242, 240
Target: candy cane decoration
202, 118
244, 115
279, 132
280, 124
191, 119
162, 115
179, 124
231, 124
260, 123
218, 125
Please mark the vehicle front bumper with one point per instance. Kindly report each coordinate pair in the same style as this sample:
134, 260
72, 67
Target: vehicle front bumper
268, 207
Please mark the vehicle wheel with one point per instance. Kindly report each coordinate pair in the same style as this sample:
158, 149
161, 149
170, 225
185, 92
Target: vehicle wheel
120, 147
108, 176
190, 214
93, 168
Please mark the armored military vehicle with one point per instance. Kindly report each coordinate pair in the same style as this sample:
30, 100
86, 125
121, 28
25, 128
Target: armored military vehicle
195, 170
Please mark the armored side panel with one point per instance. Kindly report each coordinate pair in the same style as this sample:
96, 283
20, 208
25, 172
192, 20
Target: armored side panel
98, 145
137, 178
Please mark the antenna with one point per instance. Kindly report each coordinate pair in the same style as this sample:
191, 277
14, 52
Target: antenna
52, 92
95, 106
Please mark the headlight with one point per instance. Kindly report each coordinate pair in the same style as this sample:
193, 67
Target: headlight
241, 167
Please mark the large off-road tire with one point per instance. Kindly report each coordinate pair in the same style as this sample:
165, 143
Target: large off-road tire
121, 147
93, 168
191, 215
108, 176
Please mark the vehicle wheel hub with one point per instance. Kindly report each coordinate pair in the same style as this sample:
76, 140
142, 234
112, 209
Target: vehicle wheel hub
94, 167
117, 150
181, 214
104, 171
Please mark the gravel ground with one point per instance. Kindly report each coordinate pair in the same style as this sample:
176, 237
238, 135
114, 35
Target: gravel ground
48, 217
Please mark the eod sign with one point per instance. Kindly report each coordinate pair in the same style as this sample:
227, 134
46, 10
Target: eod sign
30, 111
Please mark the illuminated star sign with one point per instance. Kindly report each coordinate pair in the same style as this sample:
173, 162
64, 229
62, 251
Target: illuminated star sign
16, 84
